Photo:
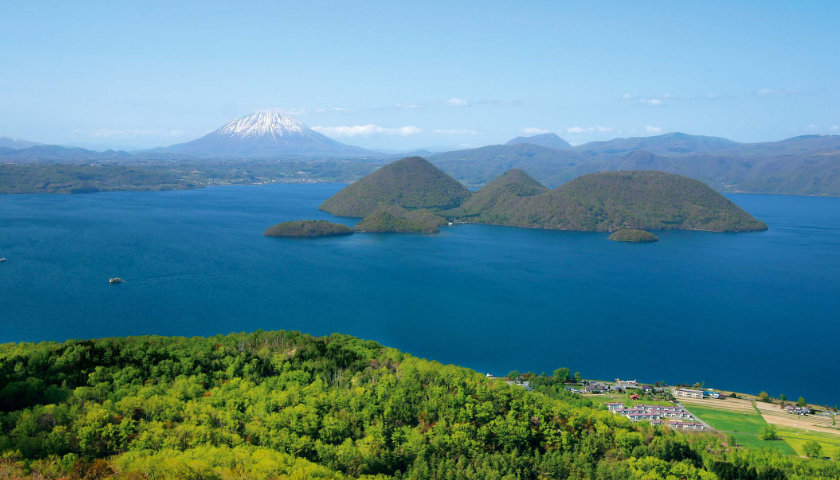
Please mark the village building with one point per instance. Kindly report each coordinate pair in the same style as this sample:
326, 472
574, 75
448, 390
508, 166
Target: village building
676, 416
595, 388
688, 393
796, 410
619, 383
687, 425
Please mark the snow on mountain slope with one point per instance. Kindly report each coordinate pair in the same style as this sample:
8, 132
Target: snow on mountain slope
265, 134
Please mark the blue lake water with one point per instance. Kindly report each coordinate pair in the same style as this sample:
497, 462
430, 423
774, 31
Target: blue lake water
750, 312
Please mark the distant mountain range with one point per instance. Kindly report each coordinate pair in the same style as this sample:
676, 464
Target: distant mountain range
804, 165
14, 143
260, 135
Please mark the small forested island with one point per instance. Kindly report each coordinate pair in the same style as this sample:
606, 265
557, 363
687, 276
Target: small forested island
411, 183
307, 229
598, 202
395, 219
633, 236
272, 405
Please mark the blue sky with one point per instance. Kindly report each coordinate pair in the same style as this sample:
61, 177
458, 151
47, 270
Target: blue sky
400, 75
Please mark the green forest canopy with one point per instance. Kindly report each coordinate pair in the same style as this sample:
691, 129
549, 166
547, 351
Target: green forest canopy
289, 405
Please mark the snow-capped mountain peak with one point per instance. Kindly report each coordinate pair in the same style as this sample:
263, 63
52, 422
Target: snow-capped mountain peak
263, 134
264, 123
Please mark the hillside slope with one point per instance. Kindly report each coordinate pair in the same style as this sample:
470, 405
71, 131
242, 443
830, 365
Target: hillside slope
646, 200
410, 183
282, 405
549, 140
493, 203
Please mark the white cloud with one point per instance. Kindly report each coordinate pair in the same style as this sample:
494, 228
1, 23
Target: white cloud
649, 101
127, 132
330, 109
534, 131
653, 129
834, 127
370, 129
457, 102
774, 92
456, 132
597, 129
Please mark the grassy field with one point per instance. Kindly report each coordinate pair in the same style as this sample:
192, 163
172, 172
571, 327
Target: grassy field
743, 424
624, 398
797, 437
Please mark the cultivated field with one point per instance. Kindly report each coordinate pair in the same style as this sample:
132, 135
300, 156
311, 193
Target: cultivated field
776, 415
733, 419
745, 418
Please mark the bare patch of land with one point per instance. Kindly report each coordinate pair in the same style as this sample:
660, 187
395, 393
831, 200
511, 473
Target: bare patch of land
775, 414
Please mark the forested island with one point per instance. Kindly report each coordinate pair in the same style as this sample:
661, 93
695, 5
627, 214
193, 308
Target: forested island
411, 183
395, 219
307, 229
288, 405
600, 202
633, 236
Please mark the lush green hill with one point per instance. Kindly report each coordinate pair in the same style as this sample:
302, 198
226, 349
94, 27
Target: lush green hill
395, 219
609, 201
493, 203
283, 405
633, 236
307, 229
412, 183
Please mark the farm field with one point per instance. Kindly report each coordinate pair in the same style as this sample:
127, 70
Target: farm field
731, 418
774, 414
797, 437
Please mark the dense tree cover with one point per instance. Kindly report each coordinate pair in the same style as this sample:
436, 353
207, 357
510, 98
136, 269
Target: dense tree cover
307, 229
493, 202
411, 183
76, 177
596, 202
633, 236
396, 219
620, 200
287, 405
64, 178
